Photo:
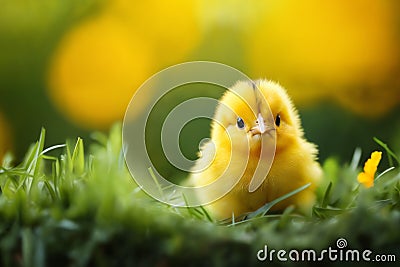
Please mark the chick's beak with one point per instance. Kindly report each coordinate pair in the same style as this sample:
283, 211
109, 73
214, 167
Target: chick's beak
260, 127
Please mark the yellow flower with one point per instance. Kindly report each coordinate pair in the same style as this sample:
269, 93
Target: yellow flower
171, 27
96, 69
99, 64
367, 176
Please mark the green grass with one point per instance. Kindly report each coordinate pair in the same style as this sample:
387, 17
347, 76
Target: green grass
63, 206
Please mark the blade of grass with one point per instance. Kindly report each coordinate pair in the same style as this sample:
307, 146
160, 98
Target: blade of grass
328, 212
156, 182
268, 216
78, 157
383, 173
206, 213
390, 153
356, 158
190, 209
56, 176
40, 147
50, 189
33, 162
325, 200
264, 209
52, 148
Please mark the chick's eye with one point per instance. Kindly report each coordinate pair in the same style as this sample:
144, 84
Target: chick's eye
240, 123
278, 120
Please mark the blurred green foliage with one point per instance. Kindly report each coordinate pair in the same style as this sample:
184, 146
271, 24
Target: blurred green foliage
29, 32
190, 135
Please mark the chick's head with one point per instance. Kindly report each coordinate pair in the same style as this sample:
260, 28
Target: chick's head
253, 111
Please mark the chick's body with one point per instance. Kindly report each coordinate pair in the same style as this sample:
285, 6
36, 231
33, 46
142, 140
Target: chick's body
247, 115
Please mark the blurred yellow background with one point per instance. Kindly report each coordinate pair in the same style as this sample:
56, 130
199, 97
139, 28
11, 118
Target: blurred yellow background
73, 66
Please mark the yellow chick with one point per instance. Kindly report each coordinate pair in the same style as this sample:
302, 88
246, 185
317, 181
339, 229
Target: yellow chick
241, 121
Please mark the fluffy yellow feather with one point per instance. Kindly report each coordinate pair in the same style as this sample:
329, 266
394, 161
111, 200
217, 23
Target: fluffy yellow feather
244, 117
